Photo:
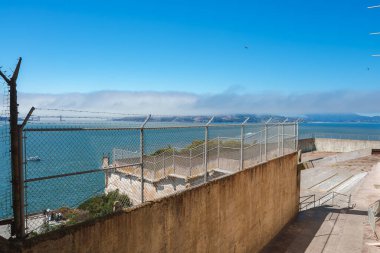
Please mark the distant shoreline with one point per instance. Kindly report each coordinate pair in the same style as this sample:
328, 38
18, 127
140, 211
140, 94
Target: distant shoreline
341, 122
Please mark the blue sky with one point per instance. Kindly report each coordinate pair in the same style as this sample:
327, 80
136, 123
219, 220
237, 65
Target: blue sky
195, 49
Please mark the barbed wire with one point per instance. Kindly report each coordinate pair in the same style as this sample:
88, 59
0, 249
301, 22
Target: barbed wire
86, 111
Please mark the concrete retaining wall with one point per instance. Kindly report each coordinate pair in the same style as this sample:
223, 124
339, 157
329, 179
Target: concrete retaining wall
336, 145
237, 213
340, 145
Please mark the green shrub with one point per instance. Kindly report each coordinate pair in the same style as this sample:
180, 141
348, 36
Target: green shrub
103, 204
168, 149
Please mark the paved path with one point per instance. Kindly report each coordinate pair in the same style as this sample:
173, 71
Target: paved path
332, 229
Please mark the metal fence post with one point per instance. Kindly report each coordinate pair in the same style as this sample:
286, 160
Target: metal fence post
218, 156
278, 140
173, 161
154, 167
163, 163
18, 224
191, 165
242, 143
297, 134
266, 139
205, 162
261, 143
142, 156
282, 138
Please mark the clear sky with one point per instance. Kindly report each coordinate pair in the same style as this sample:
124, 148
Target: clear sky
201, 50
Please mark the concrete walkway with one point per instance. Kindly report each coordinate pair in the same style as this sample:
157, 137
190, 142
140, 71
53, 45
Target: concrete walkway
334, 229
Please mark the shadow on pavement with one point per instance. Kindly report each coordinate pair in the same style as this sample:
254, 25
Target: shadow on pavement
297, 236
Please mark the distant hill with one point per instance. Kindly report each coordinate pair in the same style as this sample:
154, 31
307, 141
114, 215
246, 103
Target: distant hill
253, 118
256, 118
230, 118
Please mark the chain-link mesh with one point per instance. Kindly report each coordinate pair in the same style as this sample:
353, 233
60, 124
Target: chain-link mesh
66, 167
71, 172
290, 137
77, 167
5, 165
173, 159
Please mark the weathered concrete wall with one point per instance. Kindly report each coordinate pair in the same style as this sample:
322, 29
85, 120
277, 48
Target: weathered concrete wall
341, 145
237, 213
336, 145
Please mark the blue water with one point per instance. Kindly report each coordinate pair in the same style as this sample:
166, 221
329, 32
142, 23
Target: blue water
359, 131
74, 151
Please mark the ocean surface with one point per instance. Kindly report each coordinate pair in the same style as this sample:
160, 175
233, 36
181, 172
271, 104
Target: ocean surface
74, 151
357, 131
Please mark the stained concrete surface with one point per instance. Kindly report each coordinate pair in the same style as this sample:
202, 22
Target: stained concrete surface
339, 177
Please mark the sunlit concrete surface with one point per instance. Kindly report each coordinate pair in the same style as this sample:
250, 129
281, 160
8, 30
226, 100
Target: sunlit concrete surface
334, 227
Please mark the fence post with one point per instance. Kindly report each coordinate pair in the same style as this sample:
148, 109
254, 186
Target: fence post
154, 167
297, 134
261, 143
242, 143
173, 161
205, 162
163, 163
142, 156
18, 224
266, 139
282, 139
278, 140
218, 152
191, 165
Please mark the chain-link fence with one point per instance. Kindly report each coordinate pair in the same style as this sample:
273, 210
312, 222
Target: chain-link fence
79, 169
5, 172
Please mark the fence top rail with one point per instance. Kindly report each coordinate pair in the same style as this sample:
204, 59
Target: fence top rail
37, 128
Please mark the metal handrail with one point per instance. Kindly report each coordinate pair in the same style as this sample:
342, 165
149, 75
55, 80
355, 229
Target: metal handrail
314, 203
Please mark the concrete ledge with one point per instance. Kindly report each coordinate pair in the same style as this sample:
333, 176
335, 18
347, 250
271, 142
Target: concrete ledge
336, 145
